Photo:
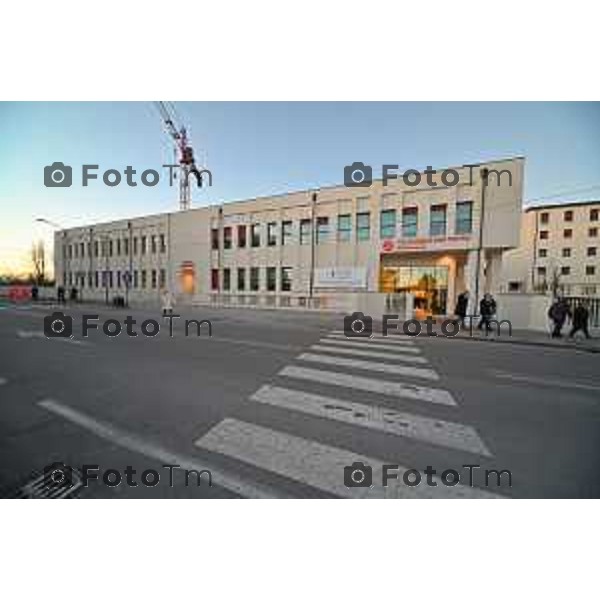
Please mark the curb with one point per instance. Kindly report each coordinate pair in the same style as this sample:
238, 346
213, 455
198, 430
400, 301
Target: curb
522, 342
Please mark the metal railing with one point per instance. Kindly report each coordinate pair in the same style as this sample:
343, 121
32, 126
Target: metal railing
591, 303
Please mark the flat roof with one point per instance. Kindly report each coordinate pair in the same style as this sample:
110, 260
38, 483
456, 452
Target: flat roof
567, 204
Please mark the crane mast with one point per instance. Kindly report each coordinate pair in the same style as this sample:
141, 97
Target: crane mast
185, 155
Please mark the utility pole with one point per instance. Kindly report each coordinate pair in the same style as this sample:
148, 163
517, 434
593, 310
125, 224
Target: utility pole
484, 177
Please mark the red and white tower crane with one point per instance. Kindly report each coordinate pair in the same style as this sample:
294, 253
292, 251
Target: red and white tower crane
185, 154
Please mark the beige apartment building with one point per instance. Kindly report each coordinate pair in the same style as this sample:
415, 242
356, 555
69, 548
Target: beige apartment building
559, 251
346, 248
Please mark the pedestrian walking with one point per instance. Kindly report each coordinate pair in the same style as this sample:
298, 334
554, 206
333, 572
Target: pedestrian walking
487, 310
60, 294
462, 302
558, 313
167, 303
580, 320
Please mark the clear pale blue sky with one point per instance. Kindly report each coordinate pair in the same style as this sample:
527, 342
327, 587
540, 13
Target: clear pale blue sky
258, 148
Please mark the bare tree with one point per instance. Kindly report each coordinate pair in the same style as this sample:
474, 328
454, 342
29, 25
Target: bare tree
38, 262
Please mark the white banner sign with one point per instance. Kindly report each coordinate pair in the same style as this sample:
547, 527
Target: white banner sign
341, 277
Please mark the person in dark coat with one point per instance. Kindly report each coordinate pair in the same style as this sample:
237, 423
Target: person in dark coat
487, 309
462, 302
558, 313
580, 321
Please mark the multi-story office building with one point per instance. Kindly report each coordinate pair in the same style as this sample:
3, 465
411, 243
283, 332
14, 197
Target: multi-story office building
432, 239
559, 251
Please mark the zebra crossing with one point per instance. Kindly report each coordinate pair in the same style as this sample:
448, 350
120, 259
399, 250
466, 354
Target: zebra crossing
391, 369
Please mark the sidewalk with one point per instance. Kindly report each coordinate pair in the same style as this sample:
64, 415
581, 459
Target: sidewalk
530, 337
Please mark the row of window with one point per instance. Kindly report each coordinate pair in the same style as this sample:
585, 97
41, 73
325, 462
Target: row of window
143, 244
253, 284
568, 216
565, 270
283, 233
568, 233
117, 279
567, 252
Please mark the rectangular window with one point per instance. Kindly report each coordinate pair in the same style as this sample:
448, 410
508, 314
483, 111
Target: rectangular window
214, 239
110, 279
226, 279
135, 279
591, 251
565, 270
363, 226
96, 249
593, 232
464, 218
110, 248
568, 216
543, 235
568, 233
96, 279
135, 245
227, 238
241, 236
566, 252
163, 244
214, 279
344, 228
82, 250
255, 235
162, 278
322, 229
542, 252
271, 234
241, 279
154, 280
143, 245
126, 246
387, 224
410, 222
594, 212
286, 279
541, 271
153, 244
118, 279
437, 220
118, 246
304, 232
75, 250
89, 251
70, 251
286, 233
271, 279
544, 218
590, 270
254, 279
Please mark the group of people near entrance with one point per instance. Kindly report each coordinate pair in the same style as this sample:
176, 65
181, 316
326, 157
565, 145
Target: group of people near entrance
487, 310
558, 313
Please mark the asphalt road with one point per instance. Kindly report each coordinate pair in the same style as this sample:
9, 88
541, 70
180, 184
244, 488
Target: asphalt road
277, 404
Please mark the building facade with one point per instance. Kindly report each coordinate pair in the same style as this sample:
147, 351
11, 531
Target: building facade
559, 251
326, 247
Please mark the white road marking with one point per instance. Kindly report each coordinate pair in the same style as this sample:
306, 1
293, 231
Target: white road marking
40, 335
318, 465
136, 444
545, 381
367, 365
433, 431
390, 339
370, 353
382, 347
368, 384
